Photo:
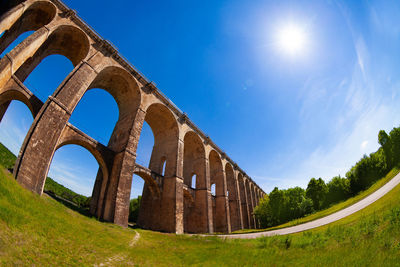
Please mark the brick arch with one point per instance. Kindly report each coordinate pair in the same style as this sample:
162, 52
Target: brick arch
123, 87
14, 93
216, 172
194, 162
166, 135
65, 40
35, 16
233, 197
149, 180
95, 151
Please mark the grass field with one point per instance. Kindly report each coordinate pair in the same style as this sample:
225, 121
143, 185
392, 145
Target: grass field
38, 230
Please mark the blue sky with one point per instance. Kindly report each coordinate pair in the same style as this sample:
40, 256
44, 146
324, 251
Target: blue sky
283, 118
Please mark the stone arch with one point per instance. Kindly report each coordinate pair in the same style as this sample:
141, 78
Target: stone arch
97, 154
33, 103
243, 199
124, 88
166, 132
217, 177
65, 40
233, 197
37, 15
194, 162
216, 173
100, 153
149, 180
153, 212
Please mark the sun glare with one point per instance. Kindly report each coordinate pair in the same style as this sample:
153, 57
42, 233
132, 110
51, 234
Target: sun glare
291, 39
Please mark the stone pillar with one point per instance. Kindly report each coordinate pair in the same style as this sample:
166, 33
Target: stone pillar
118, 188
245, 208
222, 204
238, 205
10, 17
208, 199
249, 204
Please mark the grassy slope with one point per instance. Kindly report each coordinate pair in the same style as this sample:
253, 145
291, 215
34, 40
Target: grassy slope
39, 230
7, 158
378, 184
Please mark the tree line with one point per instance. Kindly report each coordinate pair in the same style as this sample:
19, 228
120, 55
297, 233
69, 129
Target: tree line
283, 205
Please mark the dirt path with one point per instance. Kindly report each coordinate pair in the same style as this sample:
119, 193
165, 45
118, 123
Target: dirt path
120, 258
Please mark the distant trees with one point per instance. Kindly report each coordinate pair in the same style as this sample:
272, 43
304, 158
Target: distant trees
134, 206
338, 190
281, 206
316, 191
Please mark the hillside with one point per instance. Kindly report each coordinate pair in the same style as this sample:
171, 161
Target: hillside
38, 230
7, 159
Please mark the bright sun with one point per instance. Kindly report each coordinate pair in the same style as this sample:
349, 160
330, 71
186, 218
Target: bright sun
291, 39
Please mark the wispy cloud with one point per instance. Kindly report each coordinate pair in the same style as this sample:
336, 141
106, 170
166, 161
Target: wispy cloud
356, 106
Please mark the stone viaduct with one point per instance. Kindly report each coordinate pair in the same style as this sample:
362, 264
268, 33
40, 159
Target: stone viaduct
181, 149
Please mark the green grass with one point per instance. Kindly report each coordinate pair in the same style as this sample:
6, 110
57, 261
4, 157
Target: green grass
378, 184
40, 231
7, 158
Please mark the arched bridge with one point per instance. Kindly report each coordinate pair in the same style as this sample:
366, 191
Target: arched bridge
169, 203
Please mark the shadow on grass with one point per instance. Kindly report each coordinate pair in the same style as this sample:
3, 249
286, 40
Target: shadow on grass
69, 204
81, 210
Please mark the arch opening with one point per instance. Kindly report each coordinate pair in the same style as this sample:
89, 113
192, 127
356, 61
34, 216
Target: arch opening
65, 40
40, 82
6, 48
75, 165
193, 183
15, 121
165, 131
163, 164
213, 190
97, 121
37, 15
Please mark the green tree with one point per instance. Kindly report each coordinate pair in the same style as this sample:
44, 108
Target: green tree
338, 190
386, 143
395, 142
316, 191
366, 171
134, 206
263, 212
